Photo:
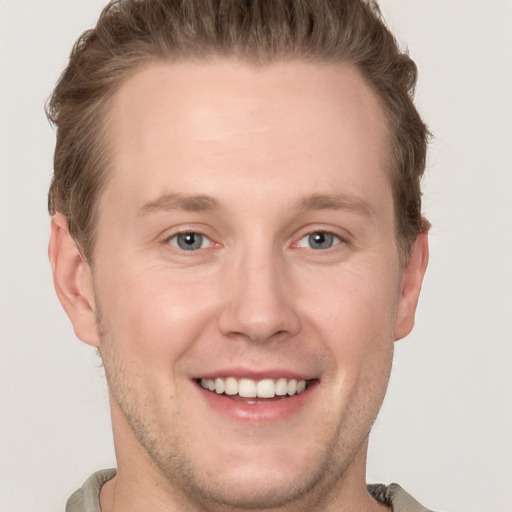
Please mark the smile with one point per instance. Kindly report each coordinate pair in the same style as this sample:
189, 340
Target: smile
249, 388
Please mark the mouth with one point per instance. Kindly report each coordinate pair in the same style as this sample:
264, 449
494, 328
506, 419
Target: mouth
257, 398
251, 391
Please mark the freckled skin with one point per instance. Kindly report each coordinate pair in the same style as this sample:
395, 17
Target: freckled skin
255, 293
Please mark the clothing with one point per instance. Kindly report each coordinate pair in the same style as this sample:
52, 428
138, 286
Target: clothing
87, 498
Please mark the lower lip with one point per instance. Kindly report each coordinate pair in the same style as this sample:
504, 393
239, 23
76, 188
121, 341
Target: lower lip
267, 412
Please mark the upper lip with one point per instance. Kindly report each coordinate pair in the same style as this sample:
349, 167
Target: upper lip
260, 374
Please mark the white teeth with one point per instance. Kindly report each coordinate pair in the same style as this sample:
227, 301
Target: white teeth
266, 388
231, 386
249, 388
292, 387
219, 386
281, 387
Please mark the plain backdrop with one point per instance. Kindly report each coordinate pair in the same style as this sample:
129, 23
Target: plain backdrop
445, 430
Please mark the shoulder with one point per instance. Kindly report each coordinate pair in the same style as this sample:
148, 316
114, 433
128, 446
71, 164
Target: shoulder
87, 498
402, 501
393, 495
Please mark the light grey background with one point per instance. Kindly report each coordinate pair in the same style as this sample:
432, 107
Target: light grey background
445, 431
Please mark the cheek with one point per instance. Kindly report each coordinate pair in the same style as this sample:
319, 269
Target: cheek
354, 312
150, 316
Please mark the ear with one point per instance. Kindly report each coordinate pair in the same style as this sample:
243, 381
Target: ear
72, 278
412, 278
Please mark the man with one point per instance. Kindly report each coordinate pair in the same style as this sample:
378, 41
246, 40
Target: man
236, 226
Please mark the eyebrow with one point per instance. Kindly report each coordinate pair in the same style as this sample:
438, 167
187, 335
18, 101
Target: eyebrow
336, 202
189, 203
200, 203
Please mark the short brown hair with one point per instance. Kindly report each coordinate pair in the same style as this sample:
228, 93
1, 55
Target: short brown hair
130, 33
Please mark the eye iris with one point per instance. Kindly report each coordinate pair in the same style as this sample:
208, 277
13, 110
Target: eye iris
321, 240
189, 241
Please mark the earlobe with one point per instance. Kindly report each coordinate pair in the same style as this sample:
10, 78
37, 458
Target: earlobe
412, 277
73, 281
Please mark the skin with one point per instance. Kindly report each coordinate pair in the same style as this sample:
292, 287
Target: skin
281, 151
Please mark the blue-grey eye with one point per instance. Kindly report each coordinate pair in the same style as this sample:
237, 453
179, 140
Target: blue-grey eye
319, 240
189, 241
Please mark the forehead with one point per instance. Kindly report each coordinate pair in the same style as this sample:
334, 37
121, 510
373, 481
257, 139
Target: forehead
188, 125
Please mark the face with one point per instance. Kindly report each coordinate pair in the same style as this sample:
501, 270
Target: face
246, 280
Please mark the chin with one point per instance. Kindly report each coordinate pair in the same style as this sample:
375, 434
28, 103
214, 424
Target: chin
265, 476
252, 487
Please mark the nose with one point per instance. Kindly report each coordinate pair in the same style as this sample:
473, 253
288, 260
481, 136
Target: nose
258, 304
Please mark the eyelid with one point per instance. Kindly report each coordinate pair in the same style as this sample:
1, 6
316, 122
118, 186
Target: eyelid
174, 233
339, 239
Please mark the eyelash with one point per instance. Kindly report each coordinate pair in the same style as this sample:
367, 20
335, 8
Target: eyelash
176, 237
326, 237
332, 240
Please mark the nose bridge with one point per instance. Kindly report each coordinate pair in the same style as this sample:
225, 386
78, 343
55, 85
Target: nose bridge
258, 305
